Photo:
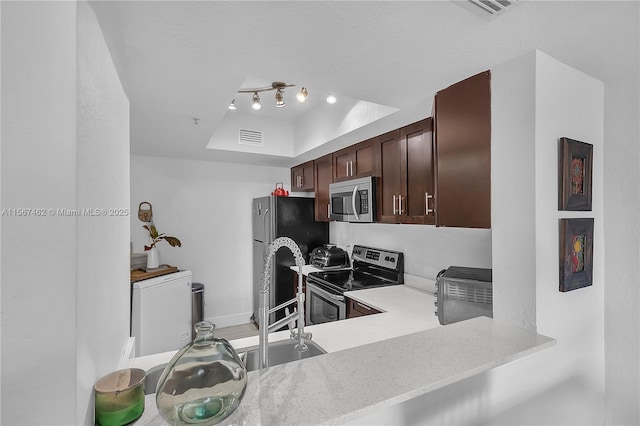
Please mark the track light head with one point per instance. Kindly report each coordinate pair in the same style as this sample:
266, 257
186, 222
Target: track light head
301, 96
279, 98
256, 102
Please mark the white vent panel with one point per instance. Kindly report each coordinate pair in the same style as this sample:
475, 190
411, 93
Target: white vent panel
494, 7
250, 137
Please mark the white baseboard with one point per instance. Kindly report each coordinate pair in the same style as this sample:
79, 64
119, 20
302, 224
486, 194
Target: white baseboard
127, 353
229, 320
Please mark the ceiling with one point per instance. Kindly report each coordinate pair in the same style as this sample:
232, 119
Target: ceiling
180, 59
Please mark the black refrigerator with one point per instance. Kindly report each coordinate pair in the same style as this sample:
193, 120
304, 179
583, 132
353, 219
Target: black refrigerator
275, 217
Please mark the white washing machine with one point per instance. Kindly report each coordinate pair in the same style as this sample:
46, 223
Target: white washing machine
161, 313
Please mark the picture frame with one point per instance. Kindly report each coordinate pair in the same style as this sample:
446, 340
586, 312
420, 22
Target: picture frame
575, 167
576, 253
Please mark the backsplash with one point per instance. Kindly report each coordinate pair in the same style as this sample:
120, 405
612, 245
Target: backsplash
427, 249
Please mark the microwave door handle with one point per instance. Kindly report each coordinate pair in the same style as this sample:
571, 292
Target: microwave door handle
353, 202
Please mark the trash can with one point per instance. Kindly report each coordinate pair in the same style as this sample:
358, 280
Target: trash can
197, 305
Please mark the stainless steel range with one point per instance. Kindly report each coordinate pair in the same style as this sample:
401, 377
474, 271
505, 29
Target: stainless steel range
371, 267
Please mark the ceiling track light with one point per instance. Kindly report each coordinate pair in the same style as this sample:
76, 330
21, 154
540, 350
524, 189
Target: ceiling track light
301, 96
256, 102
279, 87
279, 99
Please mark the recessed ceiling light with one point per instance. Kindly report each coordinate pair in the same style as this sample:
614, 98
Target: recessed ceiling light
331, 99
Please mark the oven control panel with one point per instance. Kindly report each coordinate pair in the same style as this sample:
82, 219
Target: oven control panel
382, 258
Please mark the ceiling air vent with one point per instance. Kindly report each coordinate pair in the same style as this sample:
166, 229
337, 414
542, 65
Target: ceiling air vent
250, 137
494, 7
486, 9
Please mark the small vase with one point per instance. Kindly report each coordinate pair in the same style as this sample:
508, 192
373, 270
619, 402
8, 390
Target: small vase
203, 383
152, 258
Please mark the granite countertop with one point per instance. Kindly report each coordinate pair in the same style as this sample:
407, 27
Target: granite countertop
373, 362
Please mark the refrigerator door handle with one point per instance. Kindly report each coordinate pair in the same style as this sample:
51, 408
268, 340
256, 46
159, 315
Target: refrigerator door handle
266, 228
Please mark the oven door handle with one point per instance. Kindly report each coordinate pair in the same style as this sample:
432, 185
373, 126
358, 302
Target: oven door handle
325, 293
353, 202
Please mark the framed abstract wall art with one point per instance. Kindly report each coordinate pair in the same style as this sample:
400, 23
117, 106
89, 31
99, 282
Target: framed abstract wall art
576, 253
574, 178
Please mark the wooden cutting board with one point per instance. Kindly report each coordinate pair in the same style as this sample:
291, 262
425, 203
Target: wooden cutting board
141, 274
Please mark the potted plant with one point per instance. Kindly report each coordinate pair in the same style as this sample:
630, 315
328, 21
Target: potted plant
156, 237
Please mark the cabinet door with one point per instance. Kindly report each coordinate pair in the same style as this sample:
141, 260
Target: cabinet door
417, 201
342, 161
323, 177
358, 309
463, 153
391, 180
302, 177
364, 163
355, 161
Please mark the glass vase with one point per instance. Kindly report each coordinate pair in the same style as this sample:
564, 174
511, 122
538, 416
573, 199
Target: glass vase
203, 383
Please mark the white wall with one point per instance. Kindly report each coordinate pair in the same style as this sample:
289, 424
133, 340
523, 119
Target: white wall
64, 145
103, 288
513, 199
318, 126
38, 253
622, 257
427, 249
568, 103
208, 206
277, 136
565, 384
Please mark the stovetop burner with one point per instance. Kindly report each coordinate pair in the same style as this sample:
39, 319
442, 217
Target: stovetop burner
351, 280
371, 268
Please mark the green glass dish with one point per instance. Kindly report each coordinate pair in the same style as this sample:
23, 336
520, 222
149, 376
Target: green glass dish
119, 397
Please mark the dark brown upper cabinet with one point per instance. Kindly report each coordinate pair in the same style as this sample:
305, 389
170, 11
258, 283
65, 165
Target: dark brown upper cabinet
302, 177
355, 161
462, 136
405, 190
323, 170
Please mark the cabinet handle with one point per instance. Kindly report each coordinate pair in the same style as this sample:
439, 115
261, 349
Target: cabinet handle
394, 204
427, 210
301, 181
363, 306
400, 204
328, 210
351, 168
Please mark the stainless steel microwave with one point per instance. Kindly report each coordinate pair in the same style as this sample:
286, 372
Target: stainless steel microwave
353, 200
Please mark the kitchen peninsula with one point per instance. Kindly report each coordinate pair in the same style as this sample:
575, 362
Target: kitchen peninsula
373, 362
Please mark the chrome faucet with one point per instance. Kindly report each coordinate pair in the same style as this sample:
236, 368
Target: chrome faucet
264, 310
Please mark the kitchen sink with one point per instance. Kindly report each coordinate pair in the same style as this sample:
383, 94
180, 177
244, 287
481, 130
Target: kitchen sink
151, 380
279, 353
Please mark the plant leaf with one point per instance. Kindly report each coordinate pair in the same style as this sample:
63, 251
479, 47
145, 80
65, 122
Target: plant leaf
173, 241
153, 232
